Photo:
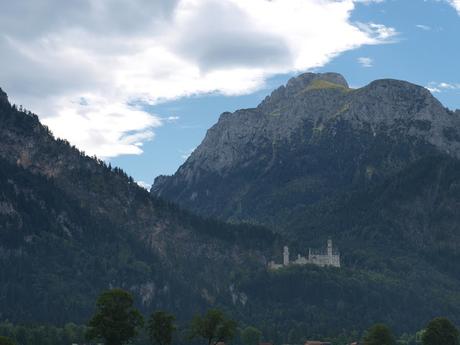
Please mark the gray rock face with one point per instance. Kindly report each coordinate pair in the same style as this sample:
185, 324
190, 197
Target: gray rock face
382, 104
227, 142
308, 139
391, 104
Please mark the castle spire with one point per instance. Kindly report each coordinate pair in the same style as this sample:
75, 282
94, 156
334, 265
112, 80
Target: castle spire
286, 256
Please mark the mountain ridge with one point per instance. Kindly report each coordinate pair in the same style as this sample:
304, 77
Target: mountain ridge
291, 123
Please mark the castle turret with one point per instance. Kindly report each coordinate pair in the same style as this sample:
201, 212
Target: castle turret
286, 256
329, 251
329, 247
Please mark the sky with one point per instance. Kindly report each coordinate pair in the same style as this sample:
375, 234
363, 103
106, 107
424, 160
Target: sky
139, 82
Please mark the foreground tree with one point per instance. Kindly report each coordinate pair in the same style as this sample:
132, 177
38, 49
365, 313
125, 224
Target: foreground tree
213, 326
440, 331
161, 328
251, 336
6, 341
116, 320
379, 334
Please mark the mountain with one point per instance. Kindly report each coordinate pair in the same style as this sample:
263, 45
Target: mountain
375, 168
72, 226
311, 139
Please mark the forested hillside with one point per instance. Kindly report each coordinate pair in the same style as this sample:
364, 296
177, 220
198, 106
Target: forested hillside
72, 226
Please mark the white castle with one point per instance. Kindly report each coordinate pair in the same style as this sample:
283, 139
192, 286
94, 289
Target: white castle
328, 257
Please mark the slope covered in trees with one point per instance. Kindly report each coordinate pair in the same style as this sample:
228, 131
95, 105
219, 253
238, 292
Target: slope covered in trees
71, 226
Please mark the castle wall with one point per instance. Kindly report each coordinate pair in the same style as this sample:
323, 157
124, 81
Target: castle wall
325, 260
327, 257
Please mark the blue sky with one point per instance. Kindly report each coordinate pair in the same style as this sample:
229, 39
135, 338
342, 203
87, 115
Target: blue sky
426, 51
139, 82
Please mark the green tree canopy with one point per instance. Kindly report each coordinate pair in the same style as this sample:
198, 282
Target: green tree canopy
213, 326
379, 334
251, 336
161, 328
116, 320
6, 341
440, 331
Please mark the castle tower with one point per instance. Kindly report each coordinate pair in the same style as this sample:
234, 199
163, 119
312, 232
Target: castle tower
285, 256
329, 251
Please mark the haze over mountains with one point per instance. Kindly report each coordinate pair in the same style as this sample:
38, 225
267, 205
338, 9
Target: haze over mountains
375, 168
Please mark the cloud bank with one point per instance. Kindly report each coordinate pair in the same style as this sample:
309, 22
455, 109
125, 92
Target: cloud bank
455, 4
88, 68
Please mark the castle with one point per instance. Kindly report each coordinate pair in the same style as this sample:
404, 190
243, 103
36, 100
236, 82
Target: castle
328, 257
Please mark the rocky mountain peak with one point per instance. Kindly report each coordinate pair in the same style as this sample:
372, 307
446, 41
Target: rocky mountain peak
304, 82
390, 103
399, 90
316, 134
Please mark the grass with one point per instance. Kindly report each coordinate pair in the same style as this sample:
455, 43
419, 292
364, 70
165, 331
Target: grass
319, 84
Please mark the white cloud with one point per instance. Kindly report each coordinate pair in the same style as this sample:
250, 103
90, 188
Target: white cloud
108, 127
449, 86
370, 1
423, 27
436, 87
144, 185
384, 33
455, 4
366, 61
170, 119
87, 69
433, 89
186, 153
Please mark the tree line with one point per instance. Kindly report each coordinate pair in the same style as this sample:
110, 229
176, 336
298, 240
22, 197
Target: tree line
117, 321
